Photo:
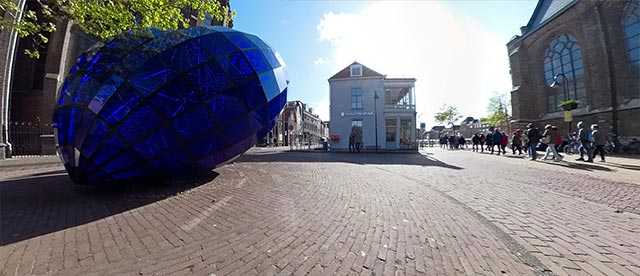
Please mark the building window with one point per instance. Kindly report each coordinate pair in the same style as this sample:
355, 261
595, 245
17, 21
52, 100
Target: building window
632, 35
356, 127
356, 70
356, 98
564, 57
405, 131
391, 130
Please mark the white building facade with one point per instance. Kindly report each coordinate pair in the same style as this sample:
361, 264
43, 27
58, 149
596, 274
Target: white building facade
382, 109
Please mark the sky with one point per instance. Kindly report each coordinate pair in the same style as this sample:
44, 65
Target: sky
455, 49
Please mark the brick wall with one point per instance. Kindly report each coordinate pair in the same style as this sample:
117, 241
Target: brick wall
597, 26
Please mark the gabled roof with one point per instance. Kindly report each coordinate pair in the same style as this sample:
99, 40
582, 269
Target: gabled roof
545, 11
346, 72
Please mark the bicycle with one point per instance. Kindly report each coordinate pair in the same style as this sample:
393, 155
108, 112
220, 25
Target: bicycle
609, 148
633, 147
573, 147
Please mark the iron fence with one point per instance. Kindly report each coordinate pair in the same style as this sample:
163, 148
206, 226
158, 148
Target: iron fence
31, 139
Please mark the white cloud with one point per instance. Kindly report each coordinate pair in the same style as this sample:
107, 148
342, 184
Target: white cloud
319, 61
453, 59
321, 109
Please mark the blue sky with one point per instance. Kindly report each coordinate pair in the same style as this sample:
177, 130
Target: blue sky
455, 49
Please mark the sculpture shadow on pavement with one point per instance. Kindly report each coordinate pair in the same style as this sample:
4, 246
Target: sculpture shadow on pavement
414, 159
43, 203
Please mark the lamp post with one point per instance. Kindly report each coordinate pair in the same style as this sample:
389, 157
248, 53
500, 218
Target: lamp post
564, 83
375, 114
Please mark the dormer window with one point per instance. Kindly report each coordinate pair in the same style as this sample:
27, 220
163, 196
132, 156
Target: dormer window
356, 70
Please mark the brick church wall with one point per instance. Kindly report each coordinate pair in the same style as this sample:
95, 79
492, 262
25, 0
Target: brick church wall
595, 25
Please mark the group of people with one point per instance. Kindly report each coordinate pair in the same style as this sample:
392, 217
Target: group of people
355, 139
591, 142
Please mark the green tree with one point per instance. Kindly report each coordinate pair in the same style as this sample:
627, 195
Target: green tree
104, 18
498, 110
447, 115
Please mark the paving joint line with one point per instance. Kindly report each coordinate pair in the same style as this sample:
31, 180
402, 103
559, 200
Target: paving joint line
516, 248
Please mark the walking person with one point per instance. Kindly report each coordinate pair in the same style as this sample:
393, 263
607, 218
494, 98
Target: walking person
599, 140
504, 142
496, 139
533, 138
462, 143
585, 144
551, 137
489, 141
357, 139
516, 142
351, 141
482, 141
476, 141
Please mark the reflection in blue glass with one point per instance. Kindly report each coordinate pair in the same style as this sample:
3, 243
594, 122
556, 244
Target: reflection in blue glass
193, 123
153, 104
140, 122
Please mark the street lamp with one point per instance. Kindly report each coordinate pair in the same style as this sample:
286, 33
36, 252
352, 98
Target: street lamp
564, 83
375, 111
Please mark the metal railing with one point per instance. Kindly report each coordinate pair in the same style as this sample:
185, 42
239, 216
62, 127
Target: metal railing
31, 139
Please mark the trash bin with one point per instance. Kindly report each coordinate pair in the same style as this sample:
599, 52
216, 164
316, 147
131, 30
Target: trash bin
325, 145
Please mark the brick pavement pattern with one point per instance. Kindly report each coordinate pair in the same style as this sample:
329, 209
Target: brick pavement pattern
275, 212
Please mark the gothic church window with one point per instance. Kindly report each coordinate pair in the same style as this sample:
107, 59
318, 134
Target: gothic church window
632, 35
564, 57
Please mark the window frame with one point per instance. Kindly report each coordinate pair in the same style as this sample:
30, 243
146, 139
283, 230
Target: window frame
631, 22
356, 98
564, 56
351, 70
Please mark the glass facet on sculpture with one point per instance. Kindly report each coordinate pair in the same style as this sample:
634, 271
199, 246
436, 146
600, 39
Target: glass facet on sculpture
158, 104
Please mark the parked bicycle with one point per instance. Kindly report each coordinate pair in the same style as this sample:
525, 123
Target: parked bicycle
633, 147
573, 147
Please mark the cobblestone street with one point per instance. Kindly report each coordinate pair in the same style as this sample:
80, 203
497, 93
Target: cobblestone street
274, 211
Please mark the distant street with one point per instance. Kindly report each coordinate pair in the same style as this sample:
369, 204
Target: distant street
275, 211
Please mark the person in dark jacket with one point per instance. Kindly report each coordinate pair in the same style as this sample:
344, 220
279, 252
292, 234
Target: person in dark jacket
533, 136
462, 142
476, 141
496, 140
516, 142
482, 141
504, 142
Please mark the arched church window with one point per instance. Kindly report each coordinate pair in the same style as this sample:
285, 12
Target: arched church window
632, 35
564, 57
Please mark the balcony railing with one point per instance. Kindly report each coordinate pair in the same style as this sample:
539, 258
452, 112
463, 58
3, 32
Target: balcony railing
411, 107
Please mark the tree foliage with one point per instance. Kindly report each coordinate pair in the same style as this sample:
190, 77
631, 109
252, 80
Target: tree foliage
105, 18
447, 115
498, 110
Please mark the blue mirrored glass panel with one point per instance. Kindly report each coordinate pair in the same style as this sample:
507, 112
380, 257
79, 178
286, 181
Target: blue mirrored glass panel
152, 103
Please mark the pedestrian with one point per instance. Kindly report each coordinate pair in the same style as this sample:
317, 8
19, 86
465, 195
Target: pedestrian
558, 141
489, 141
275, 142
504, 142
357, 139
452, 142
476, 141
550, 136
462, 142
533, 138
351, 141
516, 142
482, 141
585, 144
599, 140
496, 140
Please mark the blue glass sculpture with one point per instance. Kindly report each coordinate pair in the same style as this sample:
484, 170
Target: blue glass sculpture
158, 104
